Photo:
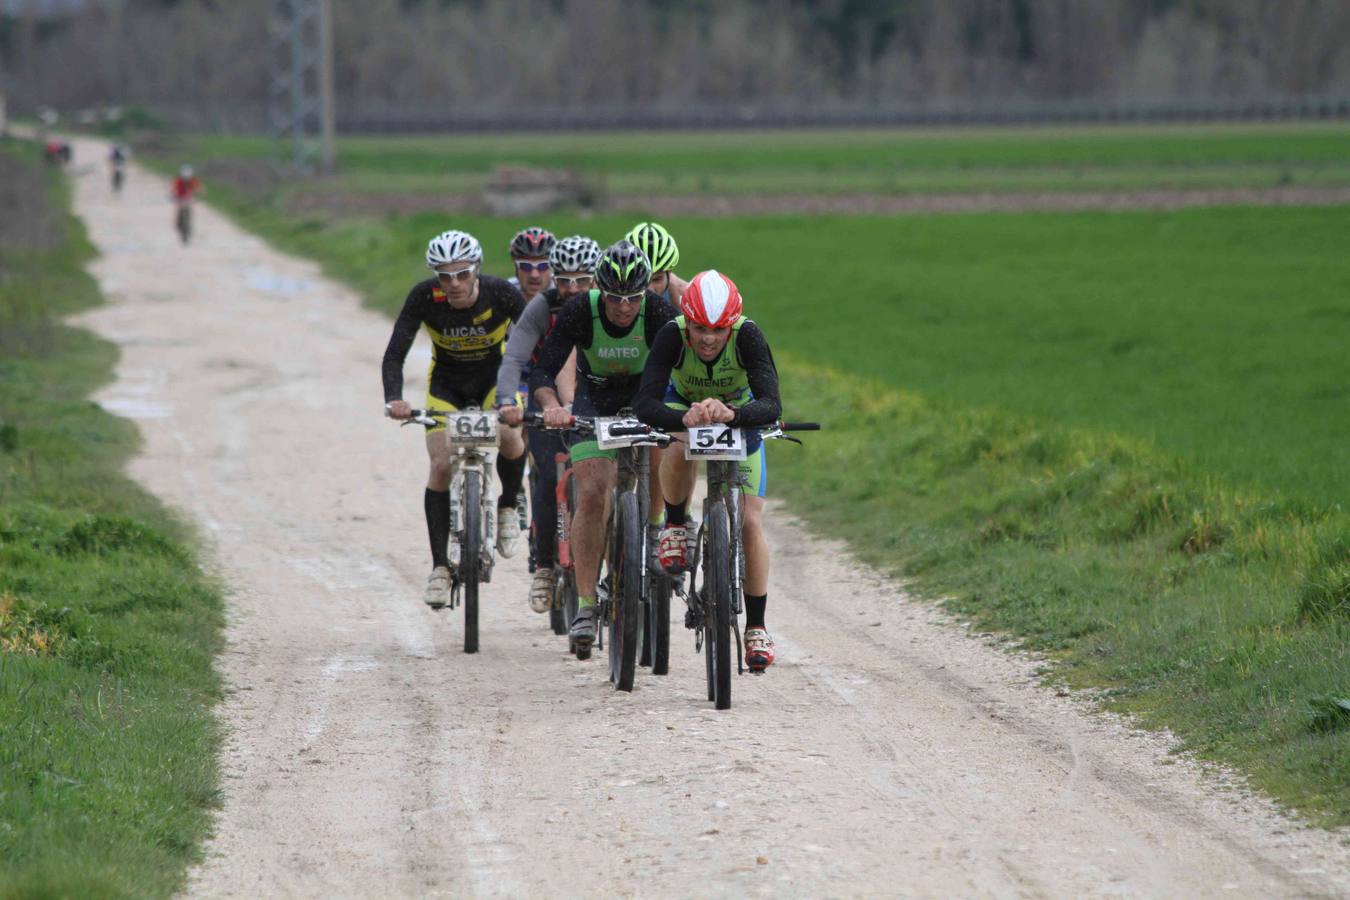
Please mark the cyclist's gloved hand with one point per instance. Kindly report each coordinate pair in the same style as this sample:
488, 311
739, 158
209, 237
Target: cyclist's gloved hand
398, 409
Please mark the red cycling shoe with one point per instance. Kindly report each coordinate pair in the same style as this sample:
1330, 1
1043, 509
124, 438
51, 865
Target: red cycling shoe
673, 552
758, 649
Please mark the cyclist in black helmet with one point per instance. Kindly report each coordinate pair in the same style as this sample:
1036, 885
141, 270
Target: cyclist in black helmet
611, 328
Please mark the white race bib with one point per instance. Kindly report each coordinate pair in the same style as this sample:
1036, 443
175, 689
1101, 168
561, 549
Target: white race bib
472, 428
715, 442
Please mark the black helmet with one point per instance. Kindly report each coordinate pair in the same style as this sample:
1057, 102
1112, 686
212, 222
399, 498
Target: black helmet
532, 243
623, 269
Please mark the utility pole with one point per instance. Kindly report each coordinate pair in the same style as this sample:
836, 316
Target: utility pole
302, 108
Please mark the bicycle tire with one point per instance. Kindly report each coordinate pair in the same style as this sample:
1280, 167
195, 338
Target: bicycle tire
625, 593
656, 636
470, 561
717, 584
184, 223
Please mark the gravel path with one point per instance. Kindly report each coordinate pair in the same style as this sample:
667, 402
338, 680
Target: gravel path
888, 752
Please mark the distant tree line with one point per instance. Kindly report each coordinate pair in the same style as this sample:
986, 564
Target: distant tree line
211, 57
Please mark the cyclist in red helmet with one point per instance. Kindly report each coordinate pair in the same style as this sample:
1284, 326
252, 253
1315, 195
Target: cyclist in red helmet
530, 250
712, 364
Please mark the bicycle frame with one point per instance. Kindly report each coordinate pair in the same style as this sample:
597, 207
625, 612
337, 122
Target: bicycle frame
462, 461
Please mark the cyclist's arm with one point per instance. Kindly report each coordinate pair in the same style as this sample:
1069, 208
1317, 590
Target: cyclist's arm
573, 329
567, 379
650, 402
401, 340
524, 336
766, 407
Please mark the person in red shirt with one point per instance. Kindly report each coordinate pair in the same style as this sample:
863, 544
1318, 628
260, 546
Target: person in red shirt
185, 188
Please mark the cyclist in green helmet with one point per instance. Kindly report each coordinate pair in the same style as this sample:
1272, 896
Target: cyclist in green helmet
660, 247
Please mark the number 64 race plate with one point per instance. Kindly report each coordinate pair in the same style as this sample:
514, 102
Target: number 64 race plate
715, 442
476, 427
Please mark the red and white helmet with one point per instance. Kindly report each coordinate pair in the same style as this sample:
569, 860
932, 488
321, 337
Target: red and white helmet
711, 300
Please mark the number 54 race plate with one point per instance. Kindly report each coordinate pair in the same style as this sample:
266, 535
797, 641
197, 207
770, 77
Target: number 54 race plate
715, 442
476, 427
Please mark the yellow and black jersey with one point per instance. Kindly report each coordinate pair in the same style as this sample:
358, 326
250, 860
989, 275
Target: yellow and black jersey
467, 343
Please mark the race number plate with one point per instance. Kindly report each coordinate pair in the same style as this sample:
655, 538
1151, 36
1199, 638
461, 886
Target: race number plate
608, 440
473, 428
715, 442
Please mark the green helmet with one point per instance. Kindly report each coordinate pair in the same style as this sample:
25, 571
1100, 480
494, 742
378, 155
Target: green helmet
623, 269
657, 243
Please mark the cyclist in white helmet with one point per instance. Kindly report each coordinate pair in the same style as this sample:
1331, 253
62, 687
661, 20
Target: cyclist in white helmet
653, 240
467, 316
573, 262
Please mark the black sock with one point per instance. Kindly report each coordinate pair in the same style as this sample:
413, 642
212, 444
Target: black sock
437, 504
511, 472
754, 610
675, 515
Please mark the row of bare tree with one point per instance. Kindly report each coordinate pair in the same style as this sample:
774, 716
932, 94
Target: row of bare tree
213, 57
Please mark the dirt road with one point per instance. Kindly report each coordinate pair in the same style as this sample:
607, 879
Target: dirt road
888, 753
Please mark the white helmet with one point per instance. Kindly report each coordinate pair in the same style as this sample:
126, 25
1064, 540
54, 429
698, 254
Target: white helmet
185, 172
574, 254
452, 247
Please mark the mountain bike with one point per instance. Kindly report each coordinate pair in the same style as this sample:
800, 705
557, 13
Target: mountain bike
472, 434
183, 221
718, 566
624, 610
556, 618
564, 568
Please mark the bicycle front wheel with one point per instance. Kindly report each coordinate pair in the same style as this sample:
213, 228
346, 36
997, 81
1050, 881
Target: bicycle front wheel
656, 638
471, 556
626, 588
717, 590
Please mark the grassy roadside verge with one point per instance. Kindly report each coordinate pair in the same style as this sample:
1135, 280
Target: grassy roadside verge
1221, 614
1199, 598
107, 627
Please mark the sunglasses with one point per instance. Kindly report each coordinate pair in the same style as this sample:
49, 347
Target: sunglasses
458, 275
568, 281
625, 298
525, 265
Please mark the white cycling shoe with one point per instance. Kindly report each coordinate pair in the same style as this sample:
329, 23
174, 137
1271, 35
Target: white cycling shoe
541, 591
438, 588
508, 532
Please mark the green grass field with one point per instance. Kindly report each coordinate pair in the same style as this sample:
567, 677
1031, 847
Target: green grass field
1119, 437
888, 161
108, 767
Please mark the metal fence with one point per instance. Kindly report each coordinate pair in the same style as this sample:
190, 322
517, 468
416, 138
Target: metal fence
831, 115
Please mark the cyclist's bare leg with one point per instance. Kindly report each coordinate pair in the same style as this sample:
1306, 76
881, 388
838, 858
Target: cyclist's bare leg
438, 453
511, 441
756, 545
656, 501
678, 476
594, 479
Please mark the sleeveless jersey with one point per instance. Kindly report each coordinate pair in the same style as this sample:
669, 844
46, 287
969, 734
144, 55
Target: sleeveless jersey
610, 359
724, 378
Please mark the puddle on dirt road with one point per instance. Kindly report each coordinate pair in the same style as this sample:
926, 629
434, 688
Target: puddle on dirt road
267, 281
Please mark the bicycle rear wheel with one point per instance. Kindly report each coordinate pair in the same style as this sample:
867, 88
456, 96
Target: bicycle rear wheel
471, 560
717, 596
625, 594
